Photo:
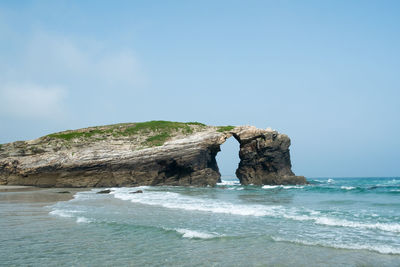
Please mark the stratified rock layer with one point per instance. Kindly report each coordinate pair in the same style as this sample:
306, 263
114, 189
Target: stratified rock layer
184, 159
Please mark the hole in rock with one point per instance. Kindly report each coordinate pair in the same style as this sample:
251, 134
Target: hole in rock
228, 160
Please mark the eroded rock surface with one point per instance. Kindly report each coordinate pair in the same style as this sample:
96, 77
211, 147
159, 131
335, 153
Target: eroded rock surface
100, 157
264, 157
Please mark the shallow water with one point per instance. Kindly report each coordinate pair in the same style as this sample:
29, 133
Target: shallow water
333, 222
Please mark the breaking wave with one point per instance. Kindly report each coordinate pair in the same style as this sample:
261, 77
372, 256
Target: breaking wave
174, 200
186, 233
384, 249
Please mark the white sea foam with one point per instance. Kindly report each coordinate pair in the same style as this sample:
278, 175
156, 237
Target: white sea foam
389, 227
229, 182
174, 200
61, 213
283, 186
85, 195
177, 201
83, 220
384, 249
328, 221
64, 213
296, 217
331, 181
314, 216
186, 233
347, 187
314, 212
393, 181
292, 186
270, 186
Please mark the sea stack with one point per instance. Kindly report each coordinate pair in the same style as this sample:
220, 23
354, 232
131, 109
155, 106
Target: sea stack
147, 153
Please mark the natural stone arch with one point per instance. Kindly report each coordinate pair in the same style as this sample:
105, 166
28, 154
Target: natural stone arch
182, 160
264, 157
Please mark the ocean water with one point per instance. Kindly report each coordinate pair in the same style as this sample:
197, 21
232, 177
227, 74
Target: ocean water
331, 222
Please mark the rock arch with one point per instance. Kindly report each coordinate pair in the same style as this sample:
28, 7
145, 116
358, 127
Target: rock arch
182, 160
264, 157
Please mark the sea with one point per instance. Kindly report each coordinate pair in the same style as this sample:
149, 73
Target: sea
330, 222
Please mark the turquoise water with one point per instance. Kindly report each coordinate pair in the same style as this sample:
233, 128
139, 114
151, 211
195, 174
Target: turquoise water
332, 222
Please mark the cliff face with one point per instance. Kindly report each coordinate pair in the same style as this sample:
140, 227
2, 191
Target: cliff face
145, 154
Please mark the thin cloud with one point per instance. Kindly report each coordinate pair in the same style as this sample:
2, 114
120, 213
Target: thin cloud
79, 68
81, 60
32, 101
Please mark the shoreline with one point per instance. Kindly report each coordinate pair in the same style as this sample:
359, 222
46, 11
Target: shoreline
42, 225
17, 188
36, 195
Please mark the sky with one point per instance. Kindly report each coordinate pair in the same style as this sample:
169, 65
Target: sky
326, 73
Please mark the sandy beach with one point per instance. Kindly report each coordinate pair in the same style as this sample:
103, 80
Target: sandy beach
31, 194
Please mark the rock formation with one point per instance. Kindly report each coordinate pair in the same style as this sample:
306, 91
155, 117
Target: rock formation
264, 157
151, 153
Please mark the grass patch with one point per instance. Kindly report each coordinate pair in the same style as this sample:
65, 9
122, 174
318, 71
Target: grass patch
157, 140
75, 134
1, 146
158, 131
196, 123
222, 129
161, 126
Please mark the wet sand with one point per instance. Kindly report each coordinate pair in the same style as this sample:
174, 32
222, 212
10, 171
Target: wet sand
16, 188
36, 195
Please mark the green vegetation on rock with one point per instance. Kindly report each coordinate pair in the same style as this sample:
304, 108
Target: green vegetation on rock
75, 134
222, 129
157, 140
161, 126
157, 132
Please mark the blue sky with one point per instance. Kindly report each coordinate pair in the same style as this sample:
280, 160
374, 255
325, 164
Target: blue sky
324, 72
